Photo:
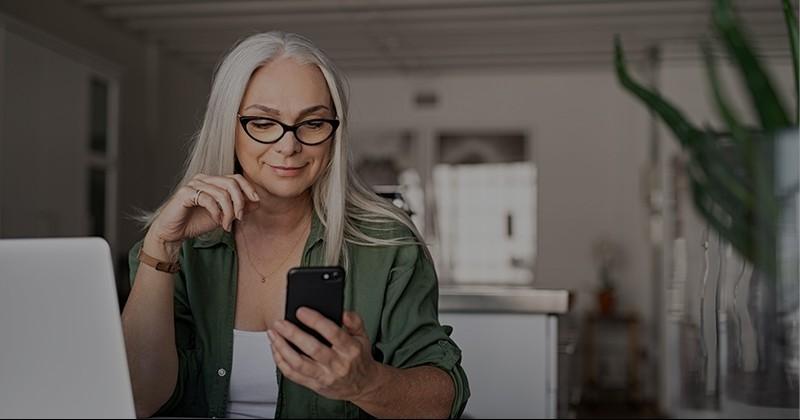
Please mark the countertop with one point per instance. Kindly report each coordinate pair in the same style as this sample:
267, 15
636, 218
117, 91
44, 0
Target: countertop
503, 299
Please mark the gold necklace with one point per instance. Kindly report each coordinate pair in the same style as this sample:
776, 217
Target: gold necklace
250, 257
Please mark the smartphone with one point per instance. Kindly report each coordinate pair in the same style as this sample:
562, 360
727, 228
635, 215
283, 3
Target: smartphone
318, 288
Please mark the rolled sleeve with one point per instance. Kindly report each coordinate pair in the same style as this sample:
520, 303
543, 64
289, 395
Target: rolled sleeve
181, 400
410, 331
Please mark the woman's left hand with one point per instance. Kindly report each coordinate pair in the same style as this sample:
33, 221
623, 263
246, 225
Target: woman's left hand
345, 371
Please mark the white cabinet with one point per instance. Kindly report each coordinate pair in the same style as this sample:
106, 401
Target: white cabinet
480, 204
511, 363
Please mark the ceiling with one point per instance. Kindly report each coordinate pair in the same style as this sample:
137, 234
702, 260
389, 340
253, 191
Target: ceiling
444, 35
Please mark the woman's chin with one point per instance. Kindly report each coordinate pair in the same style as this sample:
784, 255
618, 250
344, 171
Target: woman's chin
282, 189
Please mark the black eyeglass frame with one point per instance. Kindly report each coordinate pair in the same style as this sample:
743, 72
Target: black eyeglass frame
245, 119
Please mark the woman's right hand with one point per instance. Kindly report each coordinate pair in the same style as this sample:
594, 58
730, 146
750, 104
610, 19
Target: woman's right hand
221, 200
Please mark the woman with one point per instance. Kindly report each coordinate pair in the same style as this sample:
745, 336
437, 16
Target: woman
269, 173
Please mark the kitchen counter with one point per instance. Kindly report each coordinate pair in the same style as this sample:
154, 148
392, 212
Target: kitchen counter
508, 337
503, 299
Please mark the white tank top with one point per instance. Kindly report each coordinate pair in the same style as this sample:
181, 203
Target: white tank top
254, 382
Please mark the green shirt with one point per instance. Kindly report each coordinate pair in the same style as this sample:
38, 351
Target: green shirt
393, 288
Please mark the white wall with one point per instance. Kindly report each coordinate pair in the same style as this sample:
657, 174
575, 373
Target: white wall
161, 101
589, 142
45, 141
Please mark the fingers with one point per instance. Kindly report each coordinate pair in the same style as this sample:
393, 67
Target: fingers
290, 372
203, 200
233, 193
220, 196
322, 325
237, 196
354, 327
305, 342
346, 342
293, 360
353, 323
222, 199
249, 192
245, 185
341, 377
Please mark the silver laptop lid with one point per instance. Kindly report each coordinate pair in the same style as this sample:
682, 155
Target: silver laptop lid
62, 352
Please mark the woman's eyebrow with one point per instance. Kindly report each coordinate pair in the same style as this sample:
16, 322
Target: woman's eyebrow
275, 112
264, 108
311, 110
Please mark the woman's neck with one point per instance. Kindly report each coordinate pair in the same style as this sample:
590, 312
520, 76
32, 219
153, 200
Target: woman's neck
278, 216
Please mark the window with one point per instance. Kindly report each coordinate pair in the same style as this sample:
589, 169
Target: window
101, 167
485, 191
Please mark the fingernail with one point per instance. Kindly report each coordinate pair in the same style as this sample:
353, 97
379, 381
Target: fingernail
239, 215
270, 336
255, 197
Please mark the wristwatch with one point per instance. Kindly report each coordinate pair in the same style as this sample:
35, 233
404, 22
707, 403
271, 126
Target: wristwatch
167, 267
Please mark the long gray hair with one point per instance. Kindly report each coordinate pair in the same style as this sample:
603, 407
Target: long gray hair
341, 201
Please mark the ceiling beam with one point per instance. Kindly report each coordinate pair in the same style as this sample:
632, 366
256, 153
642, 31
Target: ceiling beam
588, 14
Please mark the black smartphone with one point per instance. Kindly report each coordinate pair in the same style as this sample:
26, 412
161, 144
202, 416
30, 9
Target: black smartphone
318, 288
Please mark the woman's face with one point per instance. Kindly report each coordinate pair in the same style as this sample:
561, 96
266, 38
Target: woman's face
291, 93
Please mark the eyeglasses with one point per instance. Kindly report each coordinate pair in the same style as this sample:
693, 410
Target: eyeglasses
268, 131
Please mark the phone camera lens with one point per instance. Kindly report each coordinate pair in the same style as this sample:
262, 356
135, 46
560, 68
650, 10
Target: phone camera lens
326, 276
335, 275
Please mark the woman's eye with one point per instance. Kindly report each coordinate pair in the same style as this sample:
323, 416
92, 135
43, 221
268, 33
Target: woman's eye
262, 125
314, 124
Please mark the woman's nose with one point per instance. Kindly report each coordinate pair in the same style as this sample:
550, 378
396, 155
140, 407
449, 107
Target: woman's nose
288, 144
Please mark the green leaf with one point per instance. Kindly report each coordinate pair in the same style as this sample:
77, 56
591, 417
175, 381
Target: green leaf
734, 192
734, 211
738, 133
733, 231
791, 28
732, 184
763, 97
674, 119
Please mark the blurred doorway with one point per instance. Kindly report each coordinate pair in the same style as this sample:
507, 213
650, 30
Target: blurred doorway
58, 138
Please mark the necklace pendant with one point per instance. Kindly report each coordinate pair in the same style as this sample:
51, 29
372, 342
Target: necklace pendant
263, 279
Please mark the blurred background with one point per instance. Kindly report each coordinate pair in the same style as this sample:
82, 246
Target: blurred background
499, 125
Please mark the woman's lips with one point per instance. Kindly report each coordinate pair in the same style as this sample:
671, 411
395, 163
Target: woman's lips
287, 170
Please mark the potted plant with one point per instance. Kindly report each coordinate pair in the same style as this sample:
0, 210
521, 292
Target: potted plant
609, 258
739, 186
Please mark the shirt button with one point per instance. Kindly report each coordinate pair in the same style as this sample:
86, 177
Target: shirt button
221, 372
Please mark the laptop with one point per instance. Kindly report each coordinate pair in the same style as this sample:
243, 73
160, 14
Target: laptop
62, 352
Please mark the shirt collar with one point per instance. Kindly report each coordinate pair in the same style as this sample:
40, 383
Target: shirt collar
221, 236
